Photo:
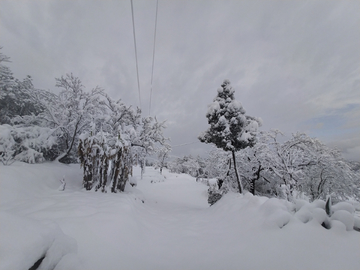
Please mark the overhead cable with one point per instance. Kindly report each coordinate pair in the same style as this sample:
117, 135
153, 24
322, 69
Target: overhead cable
153, 60
136, 58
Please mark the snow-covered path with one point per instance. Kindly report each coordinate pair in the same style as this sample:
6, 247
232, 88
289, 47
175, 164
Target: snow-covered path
166, 223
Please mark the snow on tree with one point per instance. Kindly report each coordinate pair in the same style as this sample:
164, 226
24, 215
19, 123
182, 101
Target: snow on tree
119, 117
327, 173
7, 81
117, 140
299, 165
7, 145
193, 166
253, 166
163, 154
25, 143
230, 129
15, 96
148, 134
69, 113
217, 163
107, 166
147, 138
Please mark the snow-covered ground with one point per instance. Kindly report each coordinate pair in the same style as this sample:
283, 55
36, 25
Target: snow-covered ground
163, 223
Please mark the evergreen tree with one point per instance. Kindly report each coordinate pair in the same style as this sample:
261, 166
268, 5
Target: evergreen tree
15, 95
230, 129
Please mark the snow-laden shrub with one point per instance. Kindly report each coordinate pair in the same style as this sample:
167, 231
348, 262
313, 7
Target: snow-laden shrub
106, 166
327, 215
214, 197
30, 156
7, 145
25, 143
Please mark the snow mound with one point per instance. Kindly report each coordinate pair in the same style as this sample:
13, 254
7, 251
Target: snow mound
24, 241
277, 213
342, 212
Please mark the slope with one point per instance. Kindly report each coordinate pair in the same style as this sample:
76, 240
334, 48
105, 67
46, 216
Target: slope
164, 223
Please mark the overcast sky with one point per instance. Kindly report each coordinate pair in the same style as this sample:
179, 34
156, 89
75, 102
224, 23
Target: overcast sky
295, 64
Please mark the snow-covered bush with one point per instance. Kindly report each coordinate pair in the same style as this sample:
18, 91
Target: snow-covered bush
25, 143
7, 145
327, 215
106, 166
30, 156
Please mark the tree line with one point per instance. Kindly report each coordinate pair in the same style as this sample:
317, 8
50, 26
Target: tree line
246, 158
107, 136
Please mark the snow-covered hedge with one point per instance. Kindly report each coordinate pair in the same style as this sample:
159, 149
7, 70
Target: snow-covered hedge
278, 213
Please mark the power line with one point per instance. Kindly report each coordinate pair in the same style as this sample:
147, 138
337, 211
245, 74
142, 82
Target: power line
136, 58
184, 144
153, 60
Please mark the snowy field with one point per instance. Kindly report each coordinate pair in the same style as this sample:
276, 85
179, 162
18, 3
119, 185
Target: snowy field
163, 223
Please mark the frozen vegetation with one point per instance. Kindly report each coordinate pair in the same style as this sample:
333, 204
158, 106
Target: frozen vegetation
163, 223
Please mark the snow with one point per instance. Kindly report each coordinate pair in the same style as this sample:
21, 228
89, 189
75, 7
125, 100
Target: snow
213, 107
163, 223
24, 241
344, 217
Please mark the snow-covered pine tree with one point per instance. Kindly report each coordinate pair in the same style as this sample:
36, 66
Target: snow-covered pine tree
230, 129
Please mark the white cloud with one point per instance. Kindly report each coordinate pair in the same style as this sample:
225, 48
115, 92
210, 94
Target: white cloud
289, 61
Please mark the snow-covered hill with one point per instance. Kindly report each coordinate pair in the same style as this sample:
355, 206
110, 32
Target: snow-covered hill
163, 223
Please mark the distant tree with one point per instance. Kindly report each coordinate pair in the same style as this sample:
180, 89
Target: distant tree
253, 163
217, 163
149, 134
299, 165
194, 166
230, 129
163, 154
7, 80
325, 172
15, 95
146, 139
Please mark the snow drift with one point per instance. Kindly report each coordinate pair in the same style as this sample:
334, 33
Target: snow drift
163, 223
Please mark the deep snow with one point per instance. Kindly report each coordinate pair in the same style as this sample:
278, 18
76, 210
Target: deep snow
163, 223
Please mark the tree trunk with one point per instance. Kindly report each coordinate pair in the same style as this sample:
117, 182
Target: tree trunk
69, 148
252, 187
236, 173
228, 172
253, 181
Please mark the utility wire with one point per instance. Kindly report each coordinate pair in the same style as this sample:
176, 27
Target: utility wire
185, 144
153, 60
136, 58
